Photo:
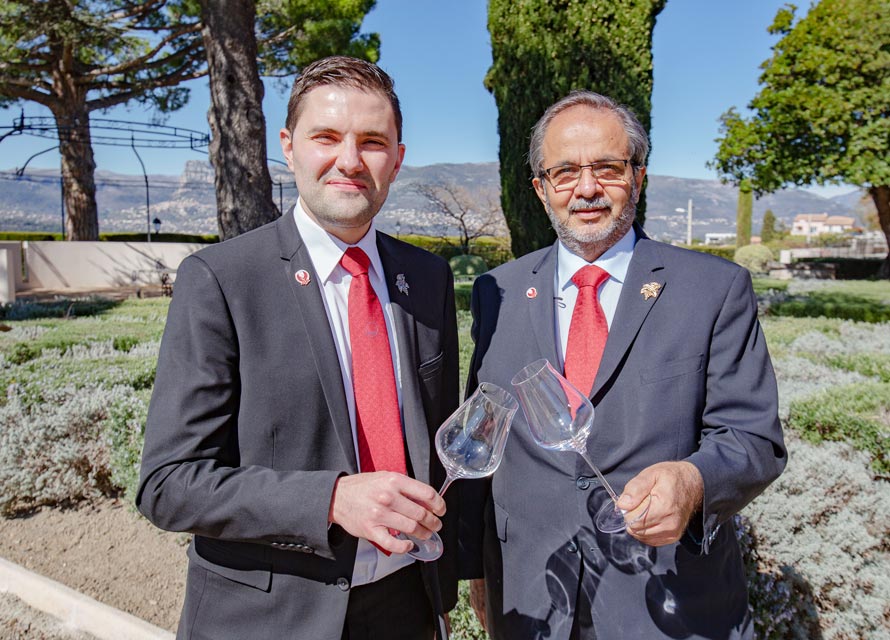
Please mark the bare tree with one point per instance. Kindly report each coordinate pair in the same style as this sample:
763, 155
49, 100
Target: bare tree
473, 216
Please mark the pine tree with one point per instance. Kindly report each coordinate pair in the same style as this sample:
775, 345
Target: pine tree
78, 57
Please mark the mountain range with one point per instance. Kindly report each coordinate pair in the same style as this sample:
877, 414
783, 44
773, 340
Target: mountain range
186, 203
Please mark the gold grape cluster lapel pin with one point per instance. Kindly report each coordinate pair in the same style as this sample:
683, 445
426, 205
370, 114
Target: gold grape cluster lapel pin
650, 290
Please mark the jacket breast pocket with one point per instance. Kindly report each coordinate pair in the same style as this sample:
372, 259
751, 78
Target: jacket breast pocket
431, 367
672, 369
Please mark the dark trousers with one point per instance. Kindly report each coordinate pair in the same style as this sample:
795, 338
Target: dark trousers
393, 608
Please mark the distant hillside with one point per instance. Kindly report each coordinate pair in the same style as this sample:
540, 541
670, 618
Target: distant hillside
186, 203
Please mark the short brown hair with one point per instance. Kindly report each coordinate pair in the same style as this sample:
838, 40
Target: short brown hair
342, 71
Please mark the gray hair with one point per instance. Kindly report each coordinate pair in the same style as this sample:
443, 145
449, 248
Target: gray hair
637, 140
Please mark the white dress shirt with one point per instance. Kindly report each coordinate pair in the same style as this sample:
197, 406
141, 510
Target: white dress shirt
615, 261
325, 251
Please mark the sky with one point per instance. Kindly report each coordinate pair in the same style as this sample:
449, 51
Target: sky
706, 54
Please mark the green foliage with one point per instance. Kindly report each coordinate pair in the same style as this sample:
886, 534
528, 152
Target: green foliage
124, 430
858, 414
743, 215
290, 34
764, 285
98, 45
541, 50
768, 230
464, 625
42, 236
754, 257
495, 251
467, 266
831, 305
821, 114
32, 236
201, 238
463, 292
726, 253
65, 308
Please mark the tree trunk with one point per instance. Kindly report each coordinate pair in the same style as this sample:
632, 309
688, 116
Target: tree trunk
881, 198
78, 167
237, 125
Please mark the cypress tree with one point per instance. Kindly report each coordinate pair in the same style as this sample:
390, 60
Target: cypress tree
768, 231
543, 49
743, 214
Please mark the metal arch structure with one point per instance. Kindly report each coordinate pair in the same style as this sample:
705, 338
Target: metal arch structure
119, 133
108, 132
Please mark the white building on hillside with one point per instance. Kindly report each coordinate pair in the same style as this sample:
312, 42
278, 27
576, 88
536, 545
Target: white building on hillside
814, 224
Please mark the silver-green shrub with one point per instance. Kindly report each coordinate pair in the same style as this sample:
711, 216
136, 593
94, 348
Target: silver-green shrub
821, 533
52, 452
124, 430
754, 257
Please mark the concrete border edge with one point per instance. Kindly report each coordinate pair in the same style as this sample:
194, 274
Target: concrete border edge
75, 609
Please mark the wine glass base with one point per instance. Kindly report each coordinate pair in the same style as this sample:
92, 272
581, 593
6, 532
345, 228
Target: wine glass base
610, 519
424, 550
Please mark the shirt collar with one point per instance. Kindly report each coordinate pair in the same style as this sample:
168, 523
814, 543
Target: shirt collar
326, 249
615, 261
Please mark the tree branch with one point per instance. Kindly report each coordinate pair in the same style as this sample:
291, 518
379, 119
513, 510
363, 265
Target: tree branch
142, 61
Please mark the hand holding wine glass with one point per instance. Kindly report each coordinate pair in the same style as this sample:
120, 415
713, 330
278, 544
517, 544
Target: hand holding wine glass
560, 418
470, 444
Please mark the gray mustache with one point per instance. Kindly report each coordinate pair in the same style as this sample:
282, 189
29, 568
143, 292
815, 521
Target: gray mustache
590, 203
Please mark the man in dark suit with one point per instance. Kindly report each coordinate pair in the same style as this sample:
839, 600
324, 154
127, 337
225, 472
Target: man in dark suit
667, 345
304, 369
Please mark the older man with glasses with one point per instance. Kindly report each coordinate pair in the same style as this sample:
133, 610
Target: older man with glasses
666, 344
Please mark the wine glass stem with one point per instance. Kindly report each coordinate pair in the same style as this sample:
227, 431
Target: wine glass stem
601, 477
446, 484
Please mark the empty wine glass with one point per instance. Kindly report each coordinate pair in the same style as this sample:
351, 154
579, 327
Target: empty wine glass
560, 418
470, 444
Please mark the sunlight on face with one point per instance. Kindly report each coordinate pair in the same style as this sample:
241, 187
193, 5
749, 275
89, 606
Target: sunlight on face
344, 153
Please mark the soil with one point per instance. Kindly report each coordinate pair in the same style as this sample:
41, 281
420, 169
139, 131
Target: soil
103, 549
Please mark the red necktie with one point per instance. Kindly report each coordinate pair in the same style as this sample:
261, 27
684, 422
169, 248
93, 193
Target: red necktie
588, 331
378, 424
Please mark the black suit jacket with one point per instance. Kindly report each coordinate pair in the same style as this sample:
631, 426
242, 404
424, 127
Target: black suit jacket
248, 430
685, 376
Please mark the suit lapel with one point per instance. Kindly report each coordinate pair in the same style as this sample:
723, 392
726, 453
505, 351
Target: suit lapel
311, 310
645, 268
540, 307
413, 416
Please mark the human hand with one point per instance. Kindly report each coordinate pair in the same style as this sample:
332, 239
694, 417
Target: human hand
676, 490
368, 505
477, 601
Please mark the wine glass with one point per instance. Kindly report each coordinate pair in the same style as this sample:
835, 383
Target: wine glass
470, 444
560, 418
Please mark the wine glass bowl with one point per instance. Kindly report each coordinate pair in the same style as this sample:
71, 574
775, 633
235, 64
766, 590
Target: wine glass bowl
560, 418
470, 444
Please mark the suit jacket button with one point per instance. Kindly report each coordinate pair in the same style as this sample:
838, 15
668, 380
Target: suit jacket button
582, 483
343, 583
573, 548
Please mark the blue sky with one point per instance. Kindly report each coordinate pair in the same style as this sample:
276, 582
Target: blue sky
707, 55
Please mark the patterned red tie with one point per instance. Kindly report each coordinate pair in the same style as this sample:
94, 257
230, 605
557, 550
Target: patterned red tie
381, 446
588, 331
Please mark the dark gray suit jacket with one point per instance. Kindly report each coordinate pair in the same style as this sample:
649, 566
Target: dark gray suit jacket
248, 430
684, 376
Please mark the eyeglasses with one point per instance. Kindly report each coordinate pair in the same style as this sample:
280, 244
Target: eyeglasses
566, 176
